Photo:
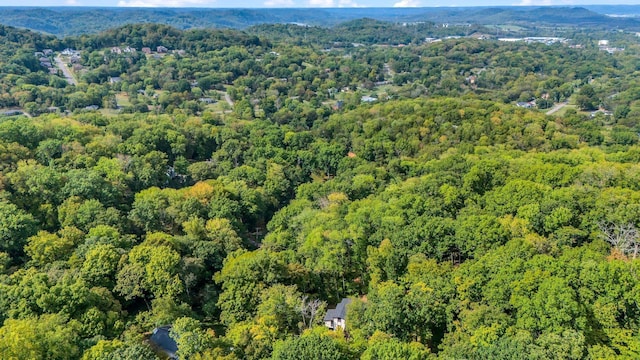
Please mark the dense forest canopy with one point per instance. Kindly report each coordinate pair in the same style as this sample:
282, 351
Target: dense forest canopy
473, 198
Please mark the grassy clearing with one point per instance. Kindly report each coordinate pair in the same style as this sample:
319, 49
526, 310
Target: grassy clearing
123, 99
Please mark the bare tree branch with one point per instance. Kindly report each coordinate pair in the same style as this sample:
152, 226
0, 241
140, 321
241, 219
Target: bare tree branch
624, 238
309, 310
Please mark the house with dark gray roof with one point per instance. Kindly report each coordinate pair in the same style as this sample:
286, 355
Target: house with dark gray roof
12, 112
337, 317
162, 341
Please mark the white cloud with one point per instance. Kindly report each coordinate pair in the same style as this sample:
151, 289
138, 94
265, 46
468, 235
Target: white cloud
407, 3
539, 2
321, 3
165, 3
279, 3
348, 3
71, 2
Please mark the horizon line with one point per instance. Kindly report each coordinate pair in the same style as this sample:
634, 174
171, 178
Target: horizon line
311, 8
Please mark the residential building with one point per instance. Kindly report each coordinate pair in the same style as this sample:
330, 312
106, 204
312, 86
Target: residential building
337, 318
162, 342
526, 104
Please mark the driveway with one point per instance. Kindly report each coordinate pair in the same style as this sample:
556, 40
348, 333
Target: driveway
556, 108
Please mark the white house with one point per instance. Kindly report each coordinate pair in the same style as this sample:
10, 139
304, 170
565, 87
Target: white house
207, 100
336, 318
526, 104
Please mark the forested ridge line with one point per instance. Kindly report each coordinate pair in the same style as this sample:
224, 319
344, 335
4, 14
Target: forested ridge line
77, 20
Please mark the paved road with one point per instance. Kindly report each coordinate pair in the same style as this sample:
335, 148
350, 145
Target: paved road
65, 70
556, 108
228, 98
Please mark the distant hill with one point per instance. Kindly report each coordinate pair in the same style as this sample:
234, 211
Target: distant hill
619, 10
65, 21
576, 16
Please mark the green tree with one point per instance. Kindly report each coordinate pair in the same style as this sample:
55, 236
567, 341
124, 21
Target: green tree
150, 271
101, 264
45, 248
46, 337
284, 305
16, 226
309, 347
586, 99
190, 338
149, 210
243, 278
387, 348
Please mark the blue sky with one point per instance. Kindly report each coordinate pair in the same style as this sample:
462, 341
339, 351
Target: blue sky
302, 3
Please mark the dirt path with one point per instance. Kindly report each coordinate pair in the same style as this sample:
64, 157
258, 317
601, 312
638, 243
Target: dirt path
387, 70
